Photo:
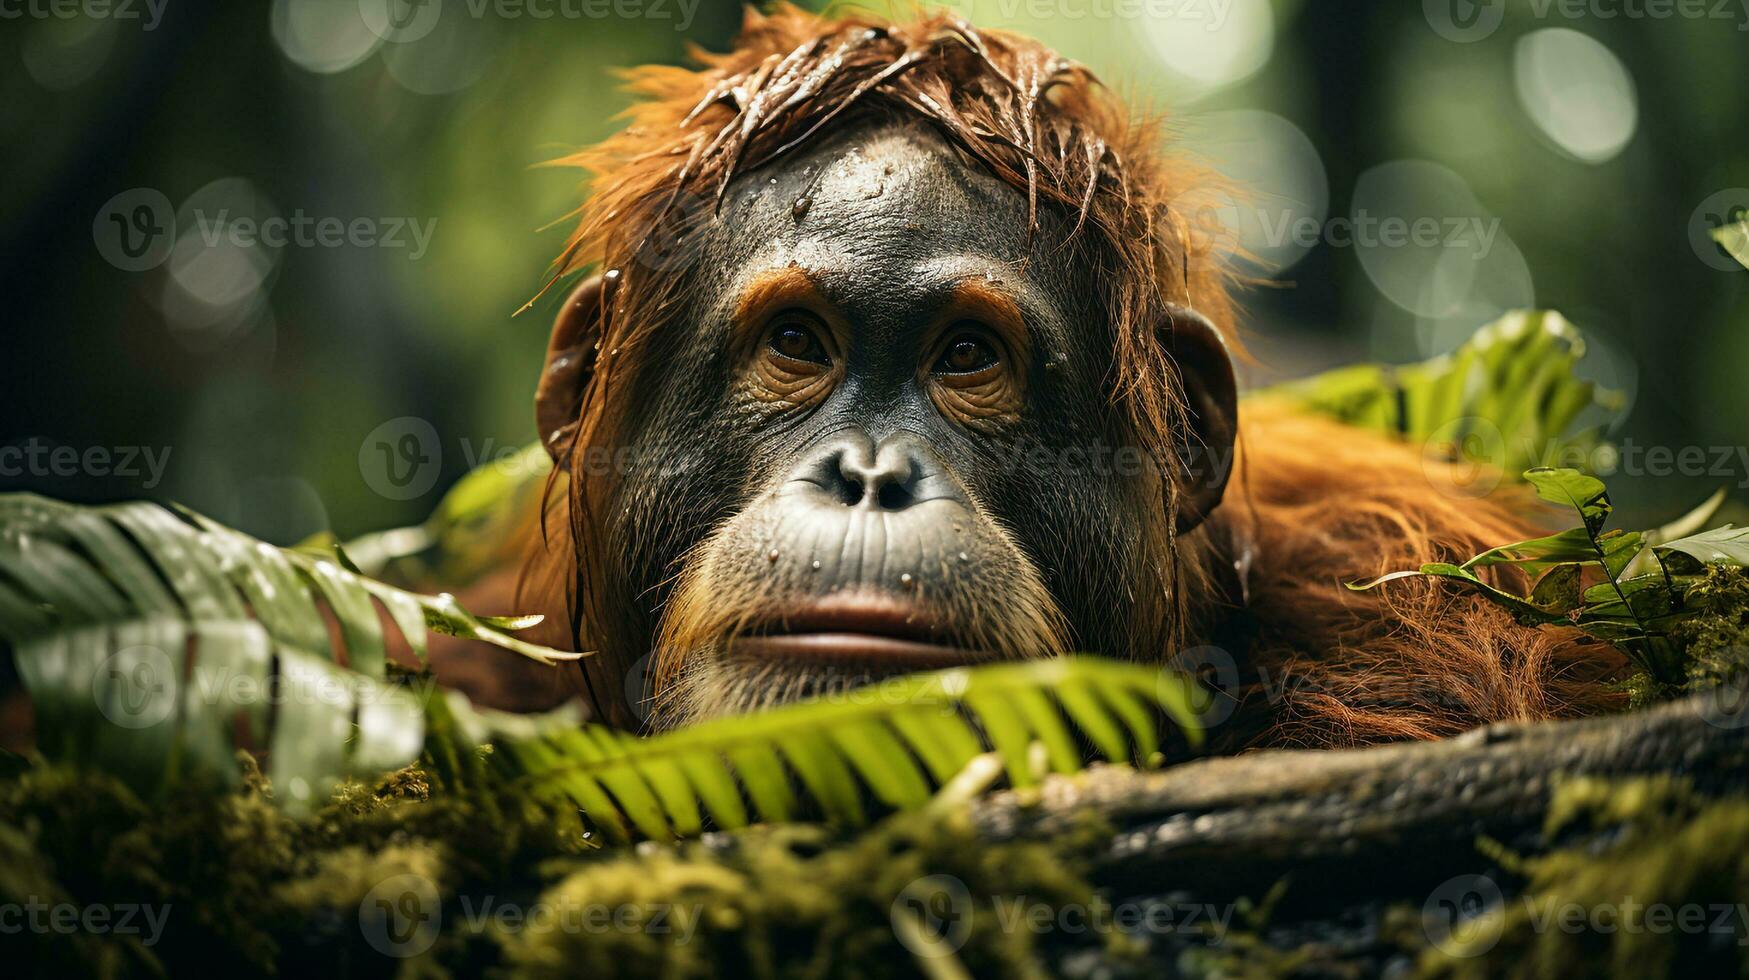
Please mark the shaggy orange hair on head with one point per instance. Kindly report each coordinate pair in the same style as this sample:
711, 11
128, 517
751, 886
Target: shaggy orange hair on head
1033, 119
1315, 503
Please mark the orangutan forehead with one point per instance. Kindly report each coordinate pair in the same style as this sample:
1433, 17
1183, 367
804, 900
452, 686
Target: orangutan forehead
887, 195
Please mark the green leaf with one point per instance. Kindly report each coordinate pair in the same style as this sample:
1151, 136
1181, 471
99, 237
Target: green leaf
1536, 554
1507, 398
1571, 488
1734, 238
1559, 589
1638, 604
1727, 545
155, 643
892, 748
464, 536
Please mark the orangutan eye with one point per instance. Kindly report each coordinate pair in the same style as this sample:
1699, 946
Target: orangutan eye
967, 352
795, 336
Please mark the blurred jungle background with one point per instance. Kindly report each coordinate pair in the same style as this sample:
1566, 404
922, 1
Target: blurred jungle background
1568, 155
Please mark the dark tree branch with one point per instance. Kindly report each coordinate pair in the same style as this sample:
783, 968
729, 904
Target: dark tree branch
1363, 821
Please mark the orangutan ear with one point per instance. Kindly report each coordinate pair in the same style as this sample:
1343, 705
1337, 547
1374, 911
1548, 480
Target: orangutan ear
558, 399
1212, 398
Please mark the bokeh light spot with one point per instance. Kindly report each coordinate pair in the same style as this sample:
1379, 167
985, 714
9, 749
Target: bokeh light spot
323, 36
1214, 46
1420, 235
1281, 194
1577, 92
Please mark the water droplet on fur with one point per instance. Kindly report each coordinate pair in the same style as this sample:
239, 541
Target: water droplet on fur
965, 557
771, 555
906, 580
799, 210
816, 564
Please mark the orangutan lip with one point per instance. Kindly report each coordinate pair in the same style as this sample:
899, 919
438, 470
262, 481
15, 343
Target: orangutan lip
854, 614
863, 649
855, 629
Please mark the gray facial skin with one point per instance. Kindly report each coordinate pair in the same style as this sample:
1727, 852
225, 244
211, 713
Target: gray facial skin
1012, 539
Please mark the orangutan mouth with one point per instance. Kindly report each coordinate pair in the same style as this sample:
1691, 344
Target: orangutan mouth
860, 630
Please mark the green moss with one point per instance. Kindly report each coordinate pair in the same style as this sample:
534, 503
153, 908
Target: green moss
249, 888
1709, 636
253, 889
1587, 907
793, 902
1716, 638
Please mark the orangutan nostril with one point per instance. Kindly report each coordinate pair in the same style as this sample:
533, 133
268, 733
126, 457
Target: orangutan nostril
894, 496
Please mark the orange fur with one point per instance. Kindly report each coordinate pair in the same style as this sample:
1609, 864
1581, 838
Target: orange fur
1324, 504
1313, 505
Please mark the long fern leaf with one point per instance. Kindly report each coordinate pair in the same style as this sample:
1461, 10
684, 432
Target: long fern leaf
904, 739
156, 643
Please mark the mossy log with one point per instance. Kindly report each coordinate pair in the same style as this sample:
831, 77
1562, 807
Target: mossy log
1363, 822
